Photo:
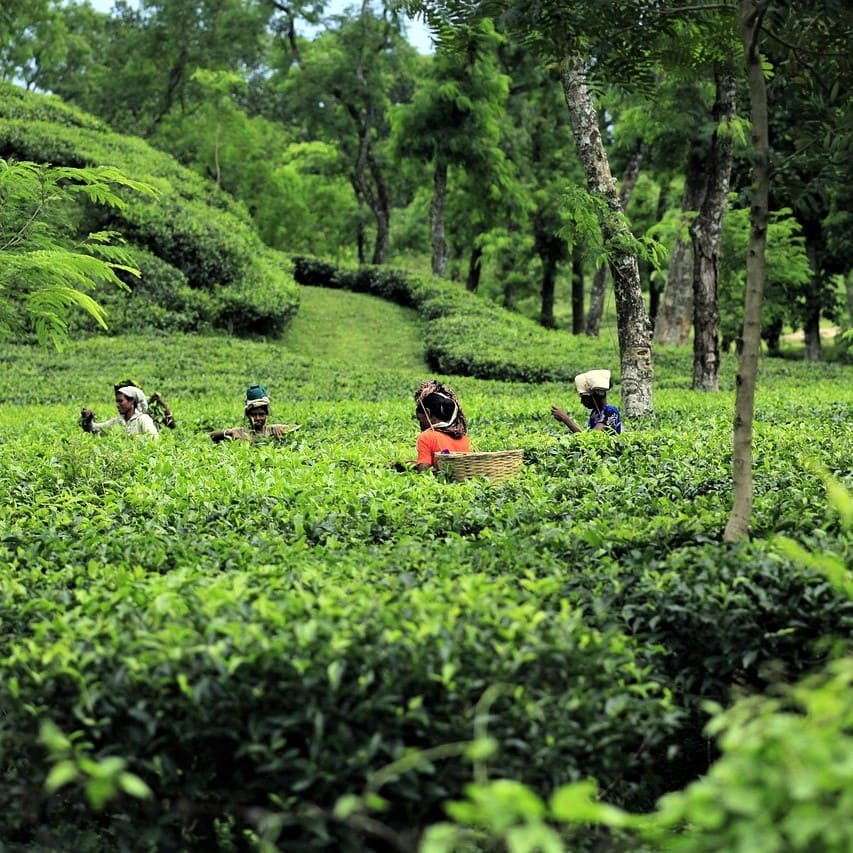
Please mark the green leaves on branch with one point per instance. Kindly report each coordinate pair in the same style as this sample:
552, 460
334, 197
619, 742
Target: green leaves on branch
584, 215
43, 271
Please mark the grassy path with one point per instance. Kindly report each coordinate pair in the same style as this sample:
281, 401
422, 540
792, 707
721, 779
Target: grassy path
355, 329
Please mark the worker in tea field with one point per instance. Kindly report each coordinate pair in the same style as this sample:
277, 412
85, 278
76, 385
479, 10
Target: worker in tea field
256, 408
133, 412
442, 422
592, 387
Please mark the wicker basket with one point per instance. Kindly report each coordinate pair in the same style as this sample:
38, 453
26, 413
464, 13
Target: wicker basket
493, 466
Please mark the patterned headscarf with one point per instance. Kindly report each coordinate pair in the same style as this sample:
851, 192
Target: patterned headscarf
457, 426
140, 401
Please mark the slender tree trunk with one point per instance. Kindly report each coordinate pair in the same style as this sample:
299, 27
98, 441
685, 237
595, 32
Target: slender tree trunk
596, 301
551, 249
655, 288
475, 268
369, 181
599, 281
771, 334
750, 16
706, 234
848, 292
361, 243
436, 218
632, 320
381, 206
549, 278
811, 322
577, 292
675, 316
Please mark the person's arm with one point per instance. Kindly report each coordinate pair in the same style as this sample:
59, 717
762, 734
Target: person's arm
168, 417
565, 419
235, 434
100, 427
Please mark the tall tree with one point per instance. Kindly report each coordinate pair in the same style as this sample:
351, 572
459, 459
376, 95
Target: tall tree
706, 235
750, 19
350, 110
633, 328
454, 120
823, 28
137, 66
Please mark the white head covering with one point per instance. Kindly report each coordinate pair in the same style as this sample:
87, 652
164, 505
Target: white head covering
140, 401
257, 403
592, 381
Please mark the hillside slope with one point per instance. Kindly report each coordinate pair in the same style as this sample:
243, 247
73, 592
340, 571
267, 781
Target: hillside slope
342, 328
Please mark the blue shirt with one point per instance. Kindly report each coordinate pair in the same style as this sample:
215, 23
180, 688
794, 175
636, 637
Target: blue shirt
609, 416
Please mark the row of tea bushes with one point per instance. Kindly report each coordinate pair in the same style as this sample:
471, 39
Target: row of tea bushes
465, 334
300, 682
265, 628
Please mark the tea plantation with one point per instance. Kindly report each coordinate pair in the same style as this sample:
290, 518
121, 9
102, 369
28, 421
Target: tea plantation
297, 647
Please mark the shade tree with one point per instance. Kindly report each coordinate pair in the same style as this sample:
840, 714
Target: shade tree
316, 99
454, 122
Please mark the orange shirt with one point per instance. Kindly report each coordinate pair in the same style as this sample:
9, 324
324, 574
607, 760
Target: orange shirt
431, 441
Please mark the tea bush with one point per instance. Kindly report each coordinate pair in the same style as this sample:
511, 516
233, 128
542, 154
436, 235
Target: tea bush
257, 631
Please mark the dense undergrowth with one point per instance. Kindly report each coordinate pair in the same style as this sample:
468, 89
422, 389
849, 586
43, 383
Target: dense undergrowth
248, 633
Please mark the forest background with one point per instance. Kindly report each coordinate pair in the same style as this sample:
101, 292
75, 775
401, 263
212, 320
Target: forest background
245, 163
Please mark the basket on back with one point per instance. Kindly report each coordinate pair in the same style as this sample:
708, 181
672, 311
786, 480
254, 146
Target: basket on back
494, 466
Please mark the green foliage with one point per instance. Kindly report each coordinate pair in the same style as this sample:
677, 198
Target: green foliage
159, 299
44, 270
787, 271
784, 782
191, 225
584, 215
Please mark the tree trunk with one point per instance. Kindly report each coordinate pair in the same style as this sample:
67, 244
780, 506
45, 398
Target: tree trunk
370, 186
551, 249
549, 278
771, 334
475, 268
596, 302
631, 317
749, 20
655, 288
706, 233
361, 243
675, 317
577, 292
599, 281
381, 205
811, 322
436, 218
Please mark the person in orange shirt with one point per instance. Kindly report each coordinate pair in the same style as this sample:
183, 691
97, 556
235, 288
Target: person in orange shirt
442, 421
